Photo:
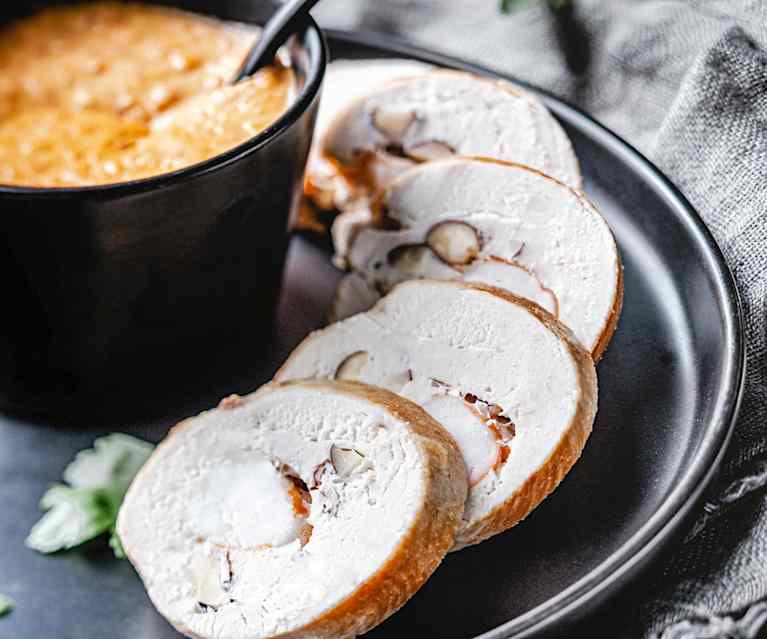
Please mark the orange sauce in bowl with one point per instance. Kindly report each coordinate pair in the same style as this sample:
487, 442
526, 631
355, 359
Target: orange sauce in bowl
107, 92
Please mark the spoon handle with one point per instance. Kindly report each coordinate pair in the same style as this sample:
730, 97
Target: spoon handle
284, 22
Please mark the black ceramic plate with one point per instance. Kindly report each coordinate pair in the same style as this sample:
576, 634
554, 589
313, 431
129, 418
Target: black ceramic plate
669, 389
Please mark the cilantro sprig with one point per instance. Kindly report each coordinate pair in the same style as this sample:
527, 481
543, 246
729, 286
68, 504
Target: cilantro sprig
86, 506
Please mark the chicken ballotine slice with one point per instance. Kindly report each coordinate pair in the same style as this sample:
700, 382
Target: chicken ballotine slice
345, 82
514, 388
308, 509
497, 223
433, 116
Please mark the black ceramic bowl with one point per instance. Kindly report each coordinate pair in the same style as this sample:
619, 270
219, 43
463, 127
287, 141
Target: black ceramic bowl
114, 290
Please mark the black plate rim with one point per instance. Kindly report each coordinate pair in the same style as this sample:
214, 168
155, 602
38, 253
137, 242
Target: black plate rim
616, 569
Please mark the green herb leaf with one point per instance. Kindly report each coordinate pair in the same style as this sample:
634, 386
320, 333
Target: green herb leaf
112, 462
116, 545
508, 5
74, 516
87, 505
6, 605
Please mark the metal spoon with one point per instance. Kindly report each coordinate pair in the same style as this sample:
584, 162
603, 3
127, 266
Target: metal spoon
283, 23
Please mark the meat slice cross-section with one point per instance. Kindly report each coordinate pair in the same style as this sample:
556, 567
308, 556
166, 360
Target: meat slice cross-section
507, 380
428, 117
441, 113
346, 81
494, 223
308, 509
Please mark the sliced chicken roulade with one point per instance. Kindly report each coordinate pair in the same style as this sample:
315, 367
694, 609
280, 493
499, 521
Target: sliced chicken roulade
345, 82
433, 116
308, 509
510, 383
496, 223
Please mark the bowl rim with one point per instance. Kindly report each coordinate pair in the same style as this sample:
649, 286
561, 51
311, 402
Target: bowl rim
318, 57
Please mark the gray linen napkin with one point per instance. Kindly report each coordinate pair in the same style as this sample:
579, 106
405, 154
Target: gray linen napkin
685, 82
